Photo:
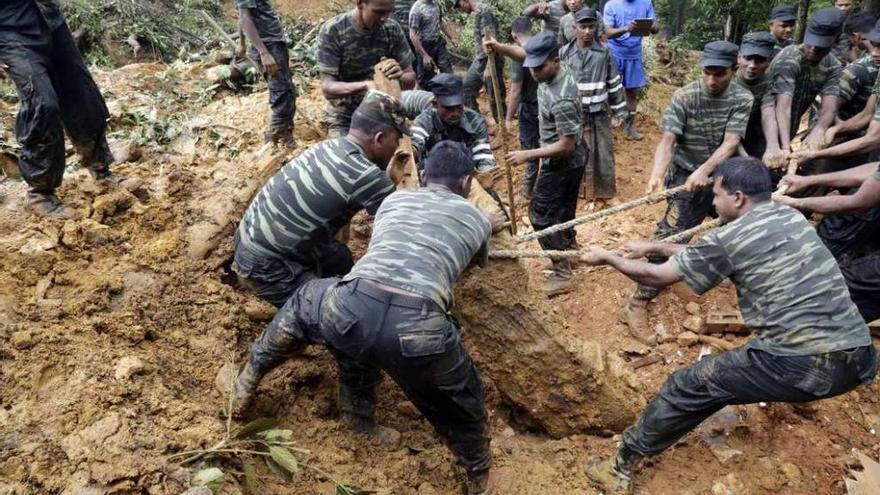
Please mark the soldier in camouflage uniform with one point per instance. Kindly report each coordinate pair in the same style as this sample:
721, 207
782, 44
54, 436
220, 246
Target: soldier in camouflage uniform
416, 101
601, 91
287, 234
550, 12
426, 28
800, 73
350, 45
485, 22
702, 127
856, 29
563, 151
850, 227
568, 29
810, 341
449, 119
842, 44
260, 23
522, 101
392, 314
57, 94
782, 23
754, 59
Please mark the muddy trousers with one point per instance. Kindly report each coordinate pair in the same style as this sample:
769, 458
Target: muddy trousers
599, 176
369, 330
862, 276
57, 94
442, 62
529, 139
554, 199
744, 375
684, 211
282, 92
275, 280
474, 81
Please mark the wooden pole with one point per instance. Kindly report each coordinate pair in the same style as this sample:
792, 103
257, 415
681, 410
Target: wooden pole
405, 157
502, 128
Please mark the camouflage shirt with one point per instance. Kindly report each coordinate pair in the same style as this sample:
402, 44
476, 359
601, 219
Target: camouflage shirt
790, 289
428, 130
415, 101
780, 44
23, 16
568, 32
422, 241
700, 120
401, 12
753, 141
485, 20
425, 18
856, 85
598, 81
349, 53
265, 19
519, 74
793, 75
302, 207
841, 48
556, 9
559, 109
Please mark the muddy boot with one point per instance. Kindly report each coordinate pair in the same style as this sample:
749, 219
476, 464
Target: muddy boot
366, 425
635, 315
108, 178
630, 129
612, 476
480, 483
559, 281
280, 136
242, 385
48, 205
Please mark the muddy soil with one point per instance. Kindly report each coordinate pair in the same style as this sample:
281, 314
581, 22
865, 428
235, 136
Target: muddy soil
113, 326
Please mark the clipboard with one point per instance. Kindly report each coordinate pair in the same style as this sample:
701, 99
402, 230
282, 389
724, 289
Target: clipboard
642, 27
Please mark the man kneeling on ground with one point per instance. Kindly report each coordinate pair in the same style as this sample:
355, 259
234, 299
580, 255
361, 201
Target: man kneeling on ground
811, 342
392, 313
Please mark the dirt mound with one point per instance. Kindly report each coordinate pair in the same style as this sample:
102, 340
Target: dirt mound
113, 326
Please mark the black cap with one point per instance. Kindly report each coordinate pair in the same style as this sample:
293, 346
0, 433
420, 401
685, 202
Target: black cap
448, 89
539, 48
719, 54
784, 13
859, 22
874, 35
823, 28
586, 14
760, 43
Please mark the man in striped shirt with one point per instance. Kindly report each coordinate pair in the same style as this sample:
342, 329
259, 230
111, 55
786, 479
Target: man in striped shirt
702, 127
287, 234
449, 119
601, 90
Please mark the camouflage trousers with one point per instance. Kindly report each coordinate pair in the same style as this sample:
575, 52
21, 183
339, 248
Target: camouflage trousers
529, 139
282, 93
369, 330
554, 199
275, 280
442, 62
599, 176
685, 210
474, 81
57, 94
744, 375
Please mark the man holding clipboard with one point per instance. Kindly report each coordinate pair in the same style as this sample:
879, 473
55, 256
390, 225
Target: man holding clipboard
626, 22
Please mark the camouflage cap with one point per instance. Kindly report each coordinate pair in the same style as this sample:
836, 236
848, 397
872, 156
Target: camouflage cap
383, 108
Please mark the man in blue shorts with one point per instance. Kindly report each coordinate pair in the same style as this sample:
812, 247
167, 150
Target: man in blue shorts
619, 17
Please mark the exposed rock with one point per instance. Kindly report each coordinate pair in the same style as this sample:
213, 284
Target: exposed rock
408, 409
693, 323
687, 338
23, 340
125, 151
692, 308
127, 367
258, 310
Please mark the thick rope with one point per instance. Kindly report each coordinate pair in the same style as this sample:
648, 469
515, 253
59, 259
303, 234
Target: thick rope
579, 253
645, 200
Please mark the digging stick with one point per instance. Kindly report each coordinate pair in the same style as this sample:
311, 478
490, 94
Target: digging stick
235, 46
502, 128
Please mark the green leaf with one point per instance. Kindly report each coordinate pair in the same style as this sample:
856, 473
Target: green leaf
256, 426
210, 478
284, 458
277, 435
250, 478
276, 469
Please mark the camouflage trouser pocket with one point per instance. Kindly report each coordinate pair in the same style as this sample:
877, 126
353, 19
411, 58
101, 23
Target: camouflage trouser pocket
422, 344
810, 374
